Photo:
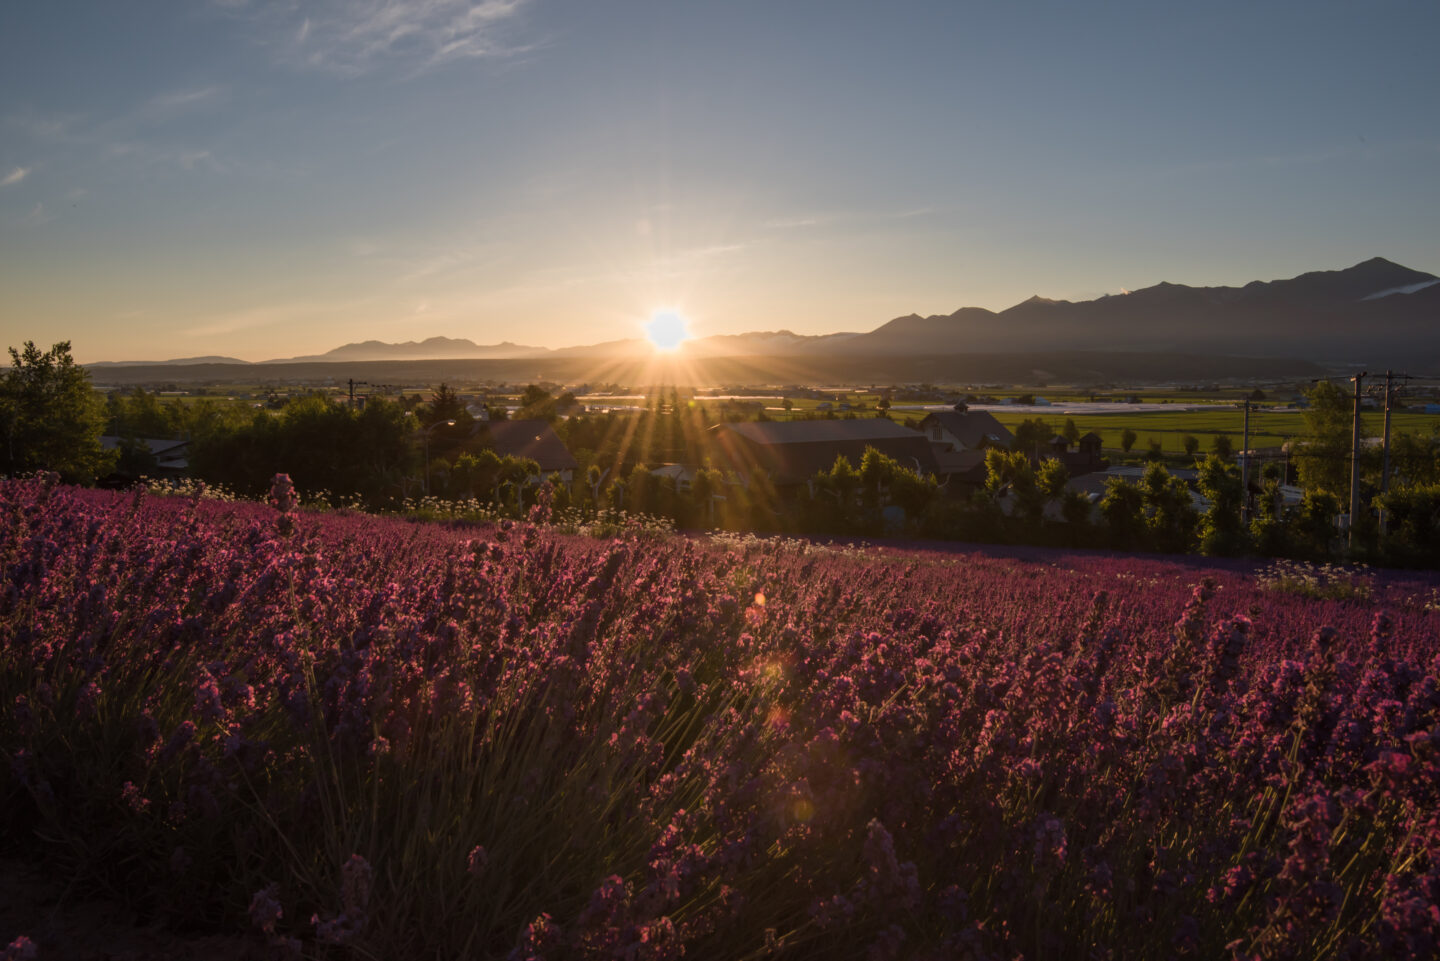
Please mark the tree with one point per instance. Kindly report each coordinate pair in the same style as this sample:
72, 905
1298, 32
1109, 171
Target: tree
844, 480
1415, 459
1070, 431
886, 481
1322, 462
876, 470
1267, 528
536, 404
911, 492
322, 445
1012, 473
1314, 524
1222, 446
1414, 524
50, 416
704, 489
1051, 478
138, 413
1191, 443
1075, 508
444, 405
641, 491
1123, 508
1031, 436
594, 477
1221, 530
463, 474
516, 472
1127, 439
1156, 453
1169, 511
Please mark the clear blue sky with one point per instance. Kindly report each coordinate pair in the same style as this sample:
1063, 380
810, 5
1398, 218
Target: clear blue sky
266, 179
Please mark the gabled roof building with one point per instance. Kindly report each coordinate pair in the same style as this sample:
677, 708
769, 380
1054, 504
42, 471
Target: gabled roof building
966, 430
534, 439
790, 453
958, 440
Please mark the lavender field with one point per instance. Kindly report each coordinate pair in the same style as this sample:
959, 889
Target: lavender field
343, 736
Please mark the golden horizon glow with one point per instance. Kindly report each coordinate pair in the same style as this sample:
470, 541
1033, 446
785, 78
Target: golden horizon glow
667, 331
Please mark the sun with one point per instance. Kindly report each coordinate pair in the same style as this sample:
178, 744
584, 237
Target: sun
667, 330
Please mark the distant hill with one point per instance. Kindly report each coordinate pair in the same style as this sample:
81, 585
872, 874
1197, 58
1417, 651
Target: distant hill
773, 343
432, 348
183, 361
1374, 313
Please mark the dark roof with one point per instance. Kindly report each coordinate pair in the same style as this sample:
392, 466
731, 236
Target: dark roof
971, 427
962, 462
156, 446
1090, 437
534, 439
820, 431
795, 451
1095, 484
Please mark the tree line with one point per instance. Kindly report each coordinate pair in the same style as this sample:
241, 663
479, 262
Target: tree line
387, 452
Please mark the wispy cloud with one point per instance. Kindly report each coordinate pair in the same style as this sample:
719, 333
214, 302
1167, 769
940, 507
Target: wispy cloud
685, 259
179, 99
357, 36
150, 132
790, 223
38, 216
450, 261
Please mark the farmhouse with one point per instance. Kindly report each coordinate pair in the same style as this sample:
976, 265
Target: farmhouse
966, 430
682, 475
792, 452
1084, 459
958, 440
536, 440
170, 457
1093, 485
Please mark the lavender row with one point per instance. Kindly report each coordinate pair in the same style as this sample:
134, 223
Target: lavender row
346, 736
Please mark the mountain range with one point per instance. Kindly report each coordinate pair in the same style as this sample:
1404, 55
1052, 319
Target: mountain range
1376, 312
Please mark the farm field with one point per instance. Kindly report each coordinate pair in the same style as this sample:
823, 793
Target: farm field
1267, 428
336, 735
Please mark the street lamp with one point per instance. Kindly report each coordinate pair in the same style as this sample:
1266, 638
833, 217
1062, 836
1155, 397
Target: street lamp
425, 434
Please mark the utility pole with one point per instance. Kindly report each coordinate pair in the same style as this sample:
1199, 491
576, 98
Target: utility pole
1355, 460
1385, 456
353, 384
1245, 467
1390, 394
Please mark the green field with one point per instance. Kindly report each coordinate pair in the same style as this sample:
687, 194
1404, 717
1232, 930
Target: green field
1267, 428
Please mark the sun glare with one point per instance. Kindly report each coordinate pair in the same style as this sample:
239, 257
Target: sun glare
667, 330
